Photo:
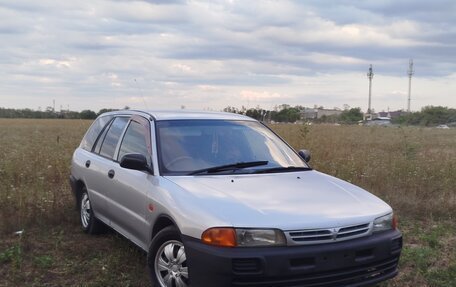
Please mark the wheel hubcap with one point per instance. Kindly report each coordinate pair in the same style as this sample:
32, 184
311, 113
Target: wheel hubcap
85, 210
171, 265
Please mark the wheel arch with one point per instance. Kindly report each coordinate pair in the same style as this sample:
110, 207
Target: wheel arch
162, 222
79, 186
164, 230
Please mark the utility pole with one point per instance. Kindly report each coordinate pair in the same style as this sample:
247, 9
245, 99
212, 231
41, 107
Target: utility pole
370, 75
410, 73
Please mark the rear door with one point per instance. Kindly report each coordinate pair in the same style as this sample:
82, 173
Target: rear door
82, 166
101, 165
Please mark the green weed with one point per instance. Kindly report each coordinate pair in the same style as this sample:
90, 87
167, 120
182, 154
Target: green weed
443, 277
43, 261
11, 254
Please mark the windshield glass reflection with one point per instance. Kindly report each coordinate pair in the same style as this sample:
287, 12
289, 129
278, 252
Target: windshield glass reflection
186, 146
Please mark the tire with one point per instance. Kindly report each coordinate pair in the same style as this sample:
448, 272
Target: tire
89, 223
167, 260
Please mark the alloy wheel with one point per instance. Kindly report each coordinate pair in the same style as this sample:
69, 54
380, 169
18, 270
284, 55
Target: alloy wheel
171, 265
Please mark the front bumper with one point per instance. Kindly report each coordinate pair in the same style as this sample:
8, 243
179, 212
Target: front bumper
359, 262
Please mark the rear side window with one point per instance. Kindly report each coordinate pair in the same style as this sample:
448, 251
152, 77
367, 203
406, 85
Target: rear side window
134, 141
93, 132
109, 144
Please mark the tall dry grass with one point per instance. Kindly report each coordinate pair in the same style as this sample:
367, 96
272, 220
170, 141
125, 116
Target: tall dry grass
35, 158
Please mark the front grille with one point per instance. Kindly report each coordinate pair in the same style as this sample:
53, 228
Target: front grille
316, 236
311, 235
352, 231
354, 275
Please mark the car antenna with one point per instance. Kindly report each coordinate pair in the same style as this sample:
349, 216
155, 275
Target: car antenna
141, 94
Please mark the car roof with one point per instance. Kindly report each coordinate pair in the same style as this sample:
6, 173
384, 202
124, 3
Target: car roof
161, 115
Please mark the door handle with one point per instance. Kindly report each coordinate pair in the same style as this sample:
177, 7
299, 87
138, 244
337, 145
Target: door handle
111, 173
88, 163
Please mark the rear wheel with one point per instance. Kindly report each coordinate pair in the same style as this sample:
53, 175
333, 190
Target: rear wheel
90, 224
167, 260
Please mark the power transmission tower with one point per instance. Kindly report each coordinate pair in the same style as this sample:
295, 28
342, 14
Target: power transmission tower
370, 75
410, 73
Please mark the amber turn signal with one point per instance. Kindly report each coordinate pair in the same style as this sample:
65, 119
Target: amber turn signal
221, 236
395, 222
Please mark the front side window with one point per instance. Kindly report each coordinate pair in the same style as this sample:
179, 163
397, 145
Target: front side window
108, 147
186, 146
134, 141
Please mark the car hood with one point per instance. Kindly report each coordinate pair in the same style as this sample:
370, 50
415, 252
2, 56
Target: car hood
289, 201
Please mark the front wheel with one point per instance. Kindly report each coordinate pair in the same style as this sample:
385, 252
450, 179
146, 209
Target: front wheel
89, 223
167, 260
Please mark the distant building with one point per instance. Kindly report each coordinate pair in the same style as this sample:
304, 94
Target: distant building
379, 121
392, 115
317, 113
328, 112
309, 114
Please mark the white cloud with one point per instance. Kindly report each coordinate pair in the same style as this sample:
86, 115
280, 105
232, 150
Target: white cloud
208, 88
316, 30
138, 11
263, 95
182, 67
67, 63
334, 59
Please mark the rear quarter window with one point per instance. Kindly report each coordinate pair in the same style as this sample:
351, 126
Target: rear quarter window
93, 132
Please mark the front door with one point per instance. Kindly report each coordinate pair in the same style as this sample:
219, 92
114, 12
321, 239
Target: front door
128, 203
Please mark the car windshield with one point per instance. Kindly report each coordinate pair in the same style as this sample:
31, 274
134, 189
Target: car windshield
191, 146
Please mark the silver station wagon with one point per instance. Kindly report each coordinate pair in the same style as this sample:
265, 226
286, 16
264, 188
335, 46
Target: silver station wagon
218, 199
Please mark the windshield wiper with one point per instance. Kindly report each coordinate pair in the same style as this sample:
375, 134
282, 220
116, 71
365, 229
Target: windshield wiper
282, 169
233, 166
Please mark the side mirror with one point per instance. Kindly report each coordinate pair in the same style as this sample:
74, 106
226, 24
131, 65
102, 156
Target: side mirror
304, 154
135, 161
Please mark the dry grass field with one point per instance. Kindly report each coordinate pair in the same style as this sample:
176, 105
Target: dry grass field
41, 244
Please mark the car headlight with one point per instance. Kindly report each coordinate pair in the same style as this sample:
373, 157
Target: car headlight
260, 237
243, 237
386, 222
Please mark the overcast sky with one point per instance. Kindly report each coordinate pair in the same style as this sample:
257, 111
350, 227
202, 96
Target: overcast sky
212, 54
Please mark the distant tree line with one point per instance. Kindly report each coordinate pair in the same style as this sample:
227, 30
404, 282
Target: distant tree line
282, 113
288, 114
429, 116
49, 113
